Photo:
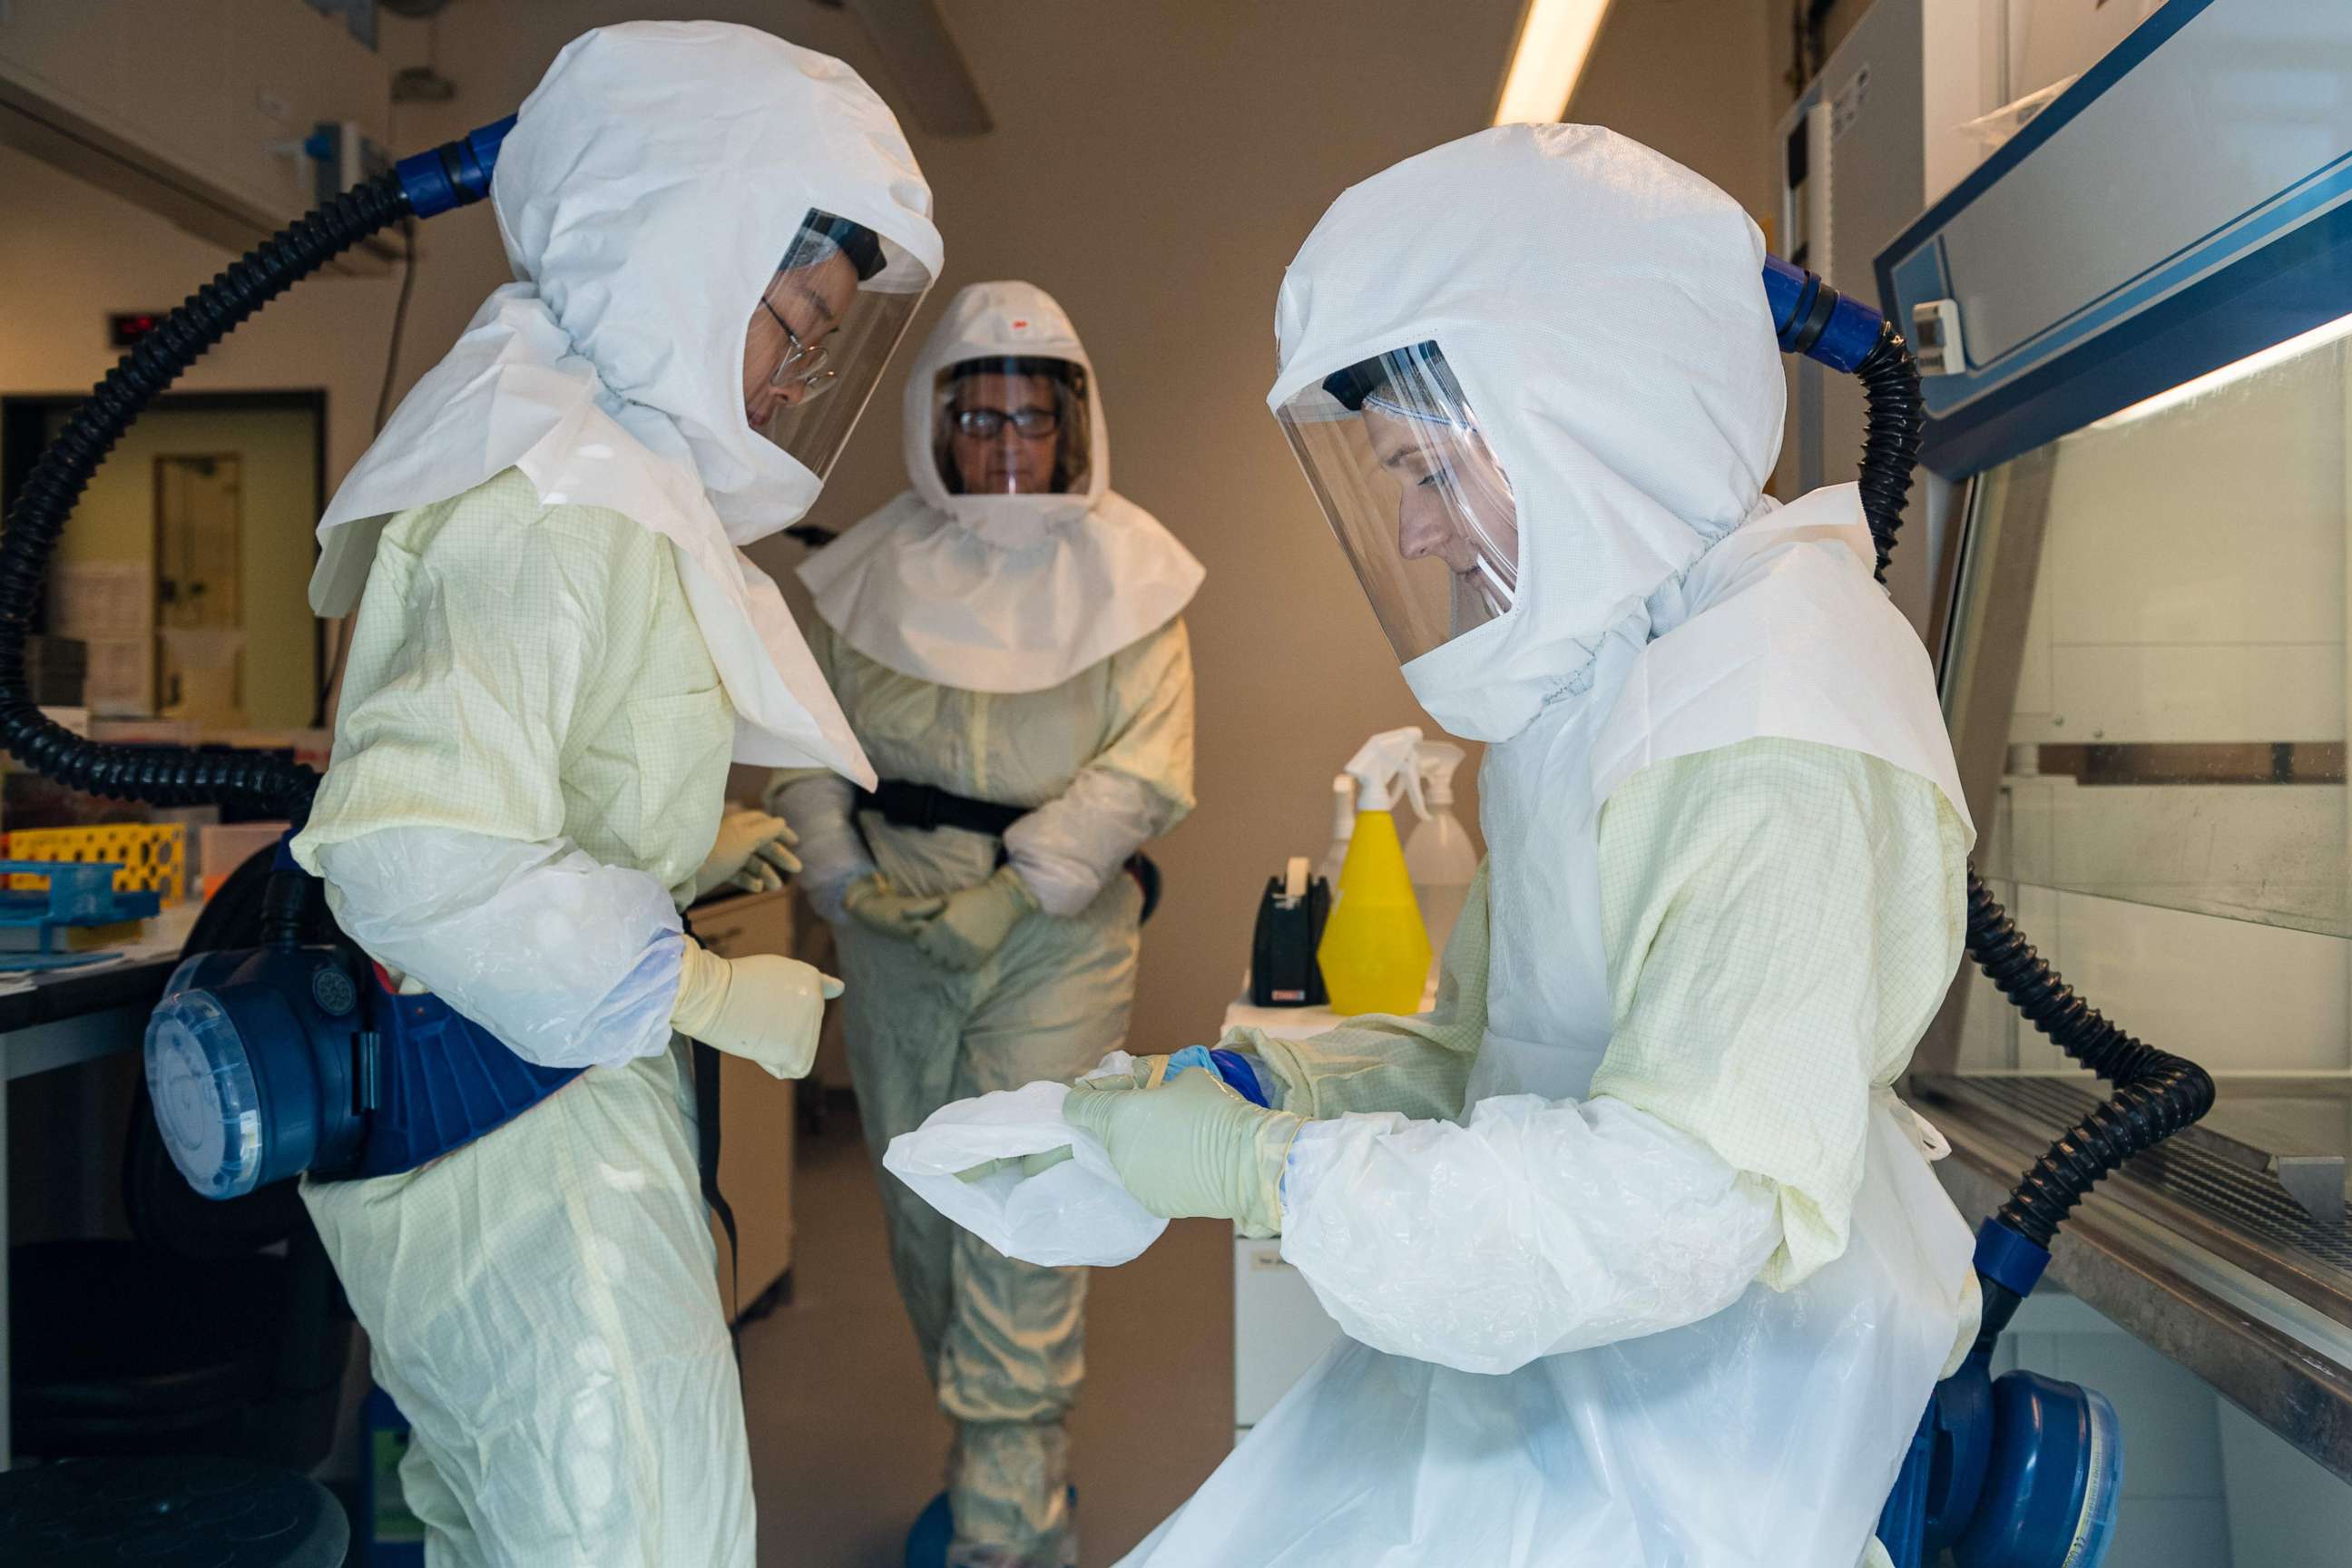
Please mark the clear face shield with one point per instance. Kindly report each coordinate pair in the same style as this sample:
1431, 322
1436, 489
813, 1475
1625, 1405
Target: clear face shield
1425, 513
823, 328
1012, 426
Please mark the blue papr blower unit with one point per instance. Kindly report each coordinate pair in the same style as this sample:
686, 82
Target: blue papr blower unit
267, 1062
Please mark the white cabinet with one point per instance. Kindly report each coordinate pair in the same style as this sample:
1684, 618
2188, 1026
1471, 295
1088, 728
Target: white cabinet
757, 1115
2051, 41
195, 108
1280, 1329
1896, 118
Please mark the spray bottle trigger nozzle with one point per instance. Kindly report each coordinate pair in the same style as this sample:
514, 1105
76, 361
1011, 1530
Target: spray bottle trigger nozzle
1382, 763
1411, 774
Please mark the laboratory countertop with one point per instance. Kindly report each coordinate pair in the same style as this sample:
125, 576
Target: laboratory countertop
56, 997
2253, 1321
1294, 1023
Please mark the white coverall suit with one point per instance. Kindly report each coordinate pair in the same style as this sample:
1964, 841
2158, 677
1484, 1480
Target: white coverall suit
1027, 650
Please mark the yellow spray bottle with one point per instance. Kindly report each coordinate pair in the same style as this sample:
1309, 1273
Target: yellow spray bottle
1375, 950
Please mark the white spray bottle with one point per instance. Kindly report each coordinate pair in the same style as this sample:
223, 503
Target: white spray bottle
1343, 828
1438, 855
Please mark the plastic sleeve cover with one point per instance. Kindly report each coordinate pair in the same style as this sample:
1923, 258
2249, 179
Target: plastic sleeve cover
818, 806
1538, 1228
1138, 787
569, 961
1417, 1065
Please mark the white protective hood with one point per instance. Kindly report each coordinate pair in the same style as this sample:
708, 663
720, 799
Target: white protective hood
1603, 310
999, 593
645, 194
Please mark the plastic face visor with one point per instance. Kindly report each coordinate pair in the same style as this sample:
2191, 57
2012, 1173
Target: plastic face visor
1425, 511
820, 333
1011, 426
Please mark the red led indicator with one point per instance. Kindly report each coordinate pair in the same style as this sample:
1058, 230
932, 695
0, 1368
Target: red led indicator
124, 329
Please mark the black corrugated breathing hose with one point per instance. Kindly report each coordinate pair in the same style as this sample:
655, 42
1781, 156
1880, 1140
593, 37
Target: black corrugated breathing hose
159, 775
2156, 1093
1893, 427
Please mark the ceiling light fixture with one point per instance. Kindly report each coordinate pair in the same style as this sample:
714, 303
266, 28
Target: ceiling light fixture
1555, 41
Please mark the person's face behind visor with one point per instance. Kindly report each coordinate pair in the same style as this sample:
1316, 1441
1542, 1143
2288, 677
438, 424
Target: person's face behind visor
820, 334
1454, 503
1005, 433
784, 350
1419, 502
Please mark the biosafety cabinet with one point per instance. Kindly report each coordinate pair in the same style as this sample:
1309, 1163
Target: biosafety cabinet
1914, 97
2136, 317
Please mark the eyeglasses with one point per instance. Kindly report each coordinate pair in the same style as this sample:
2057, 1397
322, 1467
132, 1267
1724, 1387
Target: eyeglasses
803, 364
987, 424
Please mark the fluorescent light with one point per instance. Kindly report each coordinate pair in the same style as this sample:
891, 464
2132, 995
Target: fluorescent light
1555, 39
2214, 380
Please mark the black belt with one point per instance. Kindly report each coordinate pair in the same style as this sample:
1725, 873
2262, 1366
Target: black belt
926, 806
706, 1138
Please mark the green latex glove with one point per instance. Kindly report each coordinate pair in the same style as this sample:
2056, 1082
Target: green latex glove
1144, 1072
1150, 1072
875, 904
977, 919
1029, 1165
1192, 1149
753, 851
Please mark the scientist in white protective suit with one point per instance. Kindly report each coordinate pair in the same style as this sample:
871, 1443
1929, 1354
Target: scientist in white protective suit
1640, 1261
717, 238
1008, 640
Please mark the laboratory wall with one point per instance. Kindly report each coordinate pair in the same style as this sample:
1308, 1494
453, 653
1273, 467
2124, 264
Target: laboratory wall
1709, 108
70, 253
1162, 223
116, 540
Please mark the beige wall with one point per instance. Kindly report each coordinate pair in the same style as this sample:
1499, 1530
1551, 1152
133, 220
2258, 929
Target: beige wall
70, 254
1693, 78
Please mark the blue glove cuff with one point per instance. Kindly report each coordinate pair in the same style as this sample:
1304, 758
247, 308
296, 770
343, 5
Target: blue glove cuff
1234, 1069
1231, 1067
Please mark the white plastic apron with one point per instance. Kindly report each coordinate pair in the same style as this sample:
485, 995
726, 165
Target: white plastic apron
1766, 1435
